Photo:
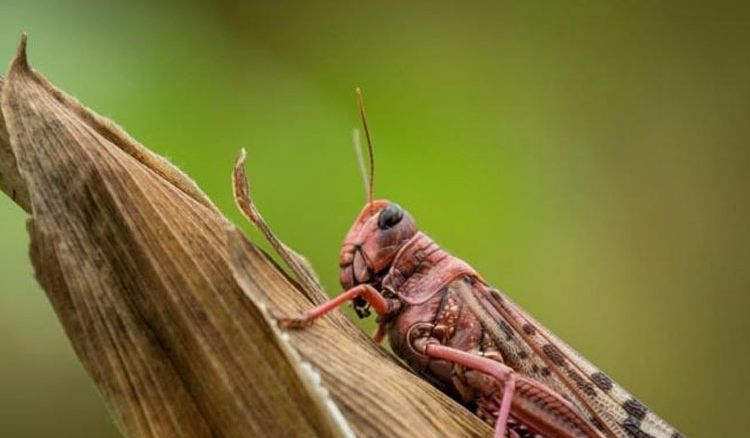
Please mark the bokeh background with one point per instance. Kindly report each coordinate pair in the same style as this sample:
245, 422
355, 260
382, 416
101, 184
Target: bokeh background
592, 159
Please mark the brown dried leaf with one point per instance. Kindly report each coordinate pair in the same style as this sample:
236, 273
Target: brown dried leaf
160, 296
10, 180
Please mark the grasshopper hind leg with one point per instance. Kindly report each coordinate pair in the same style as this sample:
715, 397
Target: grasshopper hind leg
537, 409
496, 370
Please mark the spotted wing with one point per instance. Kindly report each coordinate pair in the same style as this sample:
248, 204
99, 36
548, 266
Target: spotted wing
535, 352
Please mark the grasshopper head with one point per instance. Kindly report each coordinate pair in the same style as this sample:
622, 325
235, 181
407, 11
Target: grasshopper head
379, 232
381, 229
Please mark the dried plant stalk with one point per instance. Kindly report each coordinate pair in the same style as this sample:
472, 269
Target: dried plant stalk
163, 299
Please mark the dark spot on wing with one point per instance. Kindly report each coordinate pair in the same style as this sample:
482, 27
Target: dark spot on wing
597, 424
585, 386
534, 368
632, 426
546, 372
635, 408
529, 329
554, 354
495, 293
506, 329
602, 381
523, 354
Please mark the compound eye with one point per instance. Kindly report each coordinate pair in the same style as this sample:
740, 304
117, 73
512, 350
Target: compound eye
390, 216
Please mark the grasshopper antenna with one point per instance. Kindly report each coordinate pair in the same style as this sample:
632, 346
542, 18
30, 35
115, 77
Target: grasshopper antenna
360, 160
370, 149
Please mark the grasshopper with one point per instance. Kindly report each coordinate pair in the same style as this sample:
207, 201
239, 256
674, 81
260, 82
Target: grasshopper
464, 336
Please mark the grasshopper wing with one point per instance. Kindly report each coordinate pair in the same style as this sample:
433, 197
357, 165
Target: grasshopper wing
532, 350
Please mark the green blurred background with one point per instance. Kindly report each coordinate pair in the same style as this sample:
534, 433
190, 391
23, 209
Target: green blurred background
591, 159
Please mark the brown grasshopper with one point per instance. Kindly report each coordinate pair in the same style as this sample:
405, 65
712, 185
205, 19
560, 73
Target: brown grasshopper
461, 334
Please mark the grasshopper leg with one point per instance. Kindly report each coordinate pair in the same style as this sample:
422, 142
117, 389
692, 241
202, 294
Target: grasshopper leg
537, 406
497, 370
380, 304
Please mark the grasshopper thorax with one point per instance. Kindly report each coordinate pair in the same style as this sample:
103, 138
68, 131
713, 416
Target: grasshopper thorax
370, 246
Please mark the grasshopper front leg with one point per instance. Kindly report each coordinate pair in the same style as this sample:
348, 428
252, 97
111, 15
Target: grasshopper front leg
382, 306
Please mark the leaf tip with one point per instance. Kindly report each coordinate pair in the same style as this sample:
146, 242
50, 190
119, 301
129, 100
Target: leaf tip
241, 156
240, 185
239, 178
21, 60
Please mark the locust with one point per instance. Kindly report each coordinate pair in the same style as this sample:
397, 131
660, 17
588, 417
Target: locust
453, 328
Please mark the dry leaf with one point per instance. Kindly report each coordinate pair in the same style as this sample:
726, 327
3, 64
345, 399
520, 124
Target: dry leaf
163, 299
10, 180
